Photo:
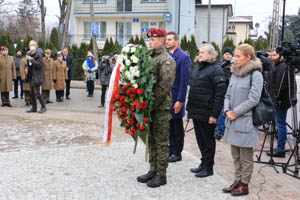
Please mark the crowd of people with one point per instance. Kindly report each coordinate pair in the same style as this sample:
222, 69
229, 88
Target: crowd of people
220, 99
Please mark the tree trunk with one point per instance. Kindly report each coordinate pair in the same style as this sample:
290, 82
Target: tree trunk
95, 47
43, 23
67, 22
61, 19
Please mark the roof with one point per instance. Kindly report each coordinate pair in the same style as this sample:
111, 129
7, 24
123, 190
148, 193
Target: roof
246, 19
218, 5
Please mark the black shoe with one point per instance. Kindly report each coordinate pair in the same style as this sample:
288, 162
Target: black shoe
175, 158
277, 154
157, 181
8, 105
217, 136
26, 104
146, 177
48, 101
42, 110
197, 169
205, 173
3, 105
15, 97
31, 111
22, 97
68, 98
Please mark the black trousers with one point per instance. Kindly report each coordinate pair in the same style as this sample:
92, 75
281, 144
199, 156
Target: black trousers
59, 94
16, 86
90, 86
35, 93
176, 136
206, 142
104, 87
68, 85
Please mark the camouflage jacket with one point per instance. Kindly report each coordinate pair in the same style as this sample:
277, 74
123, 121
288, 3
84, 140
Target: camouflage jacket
164, 68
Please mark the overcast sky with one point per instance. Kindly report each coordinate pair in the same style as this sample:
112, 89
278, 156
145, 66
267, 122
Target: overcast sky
261, 10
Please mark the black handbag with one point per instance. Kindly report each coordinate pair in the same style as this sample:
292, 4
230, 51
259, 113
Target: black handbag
264, 112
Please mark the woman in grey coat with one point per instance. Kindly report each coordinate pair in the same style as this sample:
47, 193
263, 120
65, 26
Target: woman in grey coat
105, 68
241, 97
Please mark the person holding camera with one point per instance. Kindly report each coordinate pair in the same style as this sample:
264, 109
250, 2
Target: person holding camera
60, 76
35, 77
90, 67
205, 102
279, 92
105, 69
226, 66
7, 75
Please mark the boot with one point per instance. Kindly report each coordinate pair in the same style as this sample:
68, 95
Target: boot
31, 111
157, 181
232, 187
146, 177
197, 169
241, 190
205, 173
42, 110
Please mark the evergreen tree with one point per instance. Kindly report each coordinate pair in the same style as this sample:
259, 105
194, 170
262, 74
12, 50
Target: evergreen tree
42, 44
10, 45
131, 40
193, 48
117, 47
90, 47
249, 41
106, 48
260, 44
54, 39
20, 45
111, 46
184, 43
137, 40
217, 48
79, 59
142, 42
228, 43
26, 41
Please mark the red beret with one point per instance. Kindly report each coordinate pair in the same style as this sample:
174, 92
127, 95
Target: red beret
4, 48
156, 32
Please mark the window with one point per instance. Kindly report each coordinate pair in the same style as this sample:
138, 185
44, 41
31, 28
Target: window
88, 30
124, 5
153, 0
149, 25
95, 1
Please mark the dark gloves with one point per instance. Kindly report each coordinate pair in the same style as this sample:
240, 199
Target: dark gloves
54, 81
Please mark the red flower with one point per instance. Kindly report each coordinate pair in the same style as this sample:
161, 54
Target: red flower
131, 96
132, 115
124, 109
138, 125
132, 108
134, 90
140, 91
142, 128
128, 92
132, 129
136, 102
127, 125
117, 96
144, 105
128, 85
145, 120
124, 119
120, 103
124, 87
122, 97
131, 121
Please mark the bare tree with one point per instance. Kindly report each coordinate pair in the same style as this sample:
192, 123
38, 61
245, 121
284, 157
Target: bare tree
43, 11
67, 22
63, 5
95, 47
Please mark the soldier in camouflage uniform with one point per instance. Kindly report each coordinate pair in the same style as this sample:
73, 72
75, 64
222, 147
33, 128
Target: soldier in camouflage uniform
164, 71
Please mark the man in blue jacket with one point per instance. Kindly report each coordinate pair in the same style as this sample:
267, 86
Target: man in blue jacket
179, 90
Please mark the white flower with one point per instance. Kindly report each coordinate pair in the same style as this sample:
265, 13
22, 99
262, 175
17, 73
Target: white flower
135, 85
132, 82
127, 62
133, 49
122, 68
134, 59
126, 49
137, 73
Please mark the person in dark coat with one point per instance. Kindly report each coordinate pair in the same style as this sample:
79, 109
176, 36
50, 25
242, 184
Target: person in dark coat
17, 59
69, 61
205, 102
105, 68
35, 77
226, 64
279, 92
179, 90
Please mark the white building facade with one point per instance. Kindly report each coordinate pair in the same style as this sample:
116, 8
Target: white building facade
121, 19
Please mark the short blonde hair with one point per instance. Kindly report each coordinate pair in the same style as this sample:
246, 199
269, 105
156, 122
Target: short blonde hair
247, 50
211, 50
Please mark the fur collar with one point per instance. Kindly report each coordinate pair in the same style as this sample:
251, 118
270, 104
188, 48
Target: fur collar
247, 69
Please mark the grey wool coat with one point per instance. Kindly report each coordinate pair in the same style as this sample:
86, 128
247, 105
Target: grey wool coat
241, 99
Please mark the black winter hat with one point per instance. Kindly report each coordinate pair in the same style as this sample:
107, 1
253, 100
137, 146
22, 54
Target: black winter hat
228, 50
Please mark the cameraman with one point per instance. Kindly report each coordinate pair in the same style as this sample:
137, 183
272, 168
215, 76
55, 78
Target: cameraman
35, 77
105, 69
267, 66
280, 97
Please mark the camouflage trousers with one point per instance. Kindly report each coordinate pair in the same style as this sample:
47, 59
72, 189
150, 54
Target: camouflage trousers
158, 142
5, 98
46, 95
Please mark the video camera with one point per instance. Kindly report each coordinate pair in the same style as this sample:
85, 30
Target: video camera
261, 53
291, 52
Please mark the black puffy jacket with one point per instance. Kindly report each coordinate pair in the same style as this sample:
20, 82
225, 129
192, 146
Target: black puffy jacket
279, 90
207, 91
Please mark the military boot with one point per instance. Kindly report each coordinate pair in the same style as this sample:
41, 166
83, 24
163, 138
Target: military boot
157, 181
146, 177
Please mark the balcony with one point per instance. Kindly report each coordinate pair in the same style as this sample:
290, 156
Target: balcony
121, 6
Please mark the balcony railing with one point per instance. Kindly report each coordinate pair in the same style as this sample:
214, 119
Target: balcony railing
121, 6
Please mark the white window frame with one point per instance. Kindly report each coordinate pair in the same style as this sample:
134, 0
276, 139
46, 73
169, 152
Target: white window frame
95, 1
101, 36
